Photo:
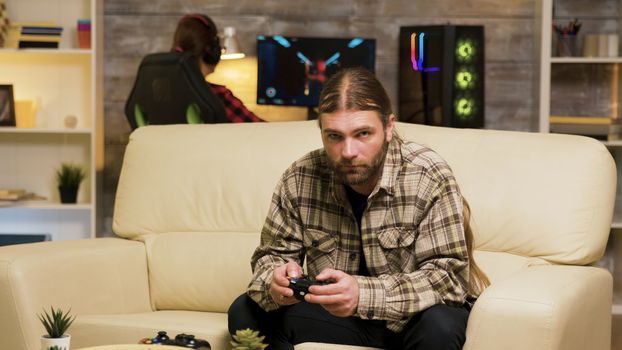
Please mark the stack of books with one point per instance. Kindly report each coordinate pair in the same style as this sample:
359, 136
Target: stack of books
39, 35
13, 194
602, 128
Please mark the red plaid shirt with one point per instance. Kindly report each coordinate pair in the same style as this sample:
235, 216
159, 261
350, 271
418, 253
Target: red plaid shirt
236, 111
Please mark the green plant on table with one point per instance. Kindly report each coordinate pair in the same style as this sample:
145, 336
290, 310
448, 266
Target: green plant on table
56, 322
248, 339
69, 175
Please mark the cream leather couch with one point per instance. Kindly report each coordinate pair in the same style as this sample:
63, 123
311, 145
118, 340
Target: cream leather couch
192, 199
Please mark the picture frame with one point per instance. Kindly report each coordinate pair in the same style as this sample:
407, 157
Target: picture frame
7, 106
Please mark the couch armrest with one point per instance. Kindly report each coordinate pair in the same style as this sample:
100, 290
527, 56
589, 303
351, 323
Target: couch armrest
544, 307
106, 275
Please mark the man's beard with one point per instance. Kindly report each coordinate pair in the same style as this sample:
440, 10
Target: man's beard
352, 173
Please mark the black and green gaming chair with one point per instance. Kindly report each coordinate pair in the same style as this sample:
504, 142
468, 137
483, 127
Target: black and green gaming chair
170, 89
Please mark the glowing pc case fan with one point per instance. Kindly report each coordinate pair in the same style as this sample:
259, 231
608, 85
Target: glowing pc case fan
441, 75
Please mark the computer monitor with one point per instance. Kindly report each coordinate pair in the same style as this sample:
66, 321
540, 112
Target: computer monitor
292, 70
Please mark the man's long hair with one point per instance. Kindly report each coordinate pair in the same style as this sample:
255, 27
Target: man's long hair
355, 89
478, 281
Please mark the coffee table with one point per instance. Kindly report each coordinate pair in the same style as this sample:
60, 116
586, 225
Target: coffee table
132, 347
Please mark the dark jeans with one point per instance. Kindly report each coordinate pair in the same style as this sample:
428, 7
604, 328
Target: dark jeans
439, 327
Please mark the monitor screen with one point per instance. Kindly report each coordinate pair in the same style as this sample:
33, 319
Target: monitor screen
292, 70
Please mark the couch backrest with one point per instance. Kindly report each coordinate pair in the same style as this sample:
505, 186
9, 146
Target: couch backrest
540, 196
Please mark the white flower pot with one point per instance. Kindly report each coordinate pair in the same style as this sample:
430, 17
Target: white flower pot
61, 343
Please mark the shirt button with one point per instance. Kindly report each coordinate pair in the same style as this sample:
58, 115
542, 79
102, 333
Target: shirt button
370, 314
353, 256
315, 243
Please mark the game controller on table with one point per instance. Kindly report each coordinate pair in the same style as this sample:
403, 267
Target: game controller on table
300, 285
182, 340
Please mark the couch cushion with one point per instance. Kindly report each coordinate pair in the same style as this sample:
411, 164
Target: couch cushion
499, 265
198, 271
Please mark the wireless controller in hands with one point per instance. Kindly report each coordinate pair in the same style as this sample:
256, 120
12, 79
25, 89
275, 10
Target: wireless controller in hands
300, 285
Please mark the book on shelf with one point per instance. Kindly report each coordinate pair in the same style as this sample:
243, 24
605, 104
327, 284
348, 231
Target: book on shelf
13, 194
29, 44
40, 38
41, 30
602, 128
38, 24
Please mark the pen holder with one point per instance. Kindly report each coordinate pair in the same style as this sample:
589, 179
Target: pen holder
84, 33
566, 45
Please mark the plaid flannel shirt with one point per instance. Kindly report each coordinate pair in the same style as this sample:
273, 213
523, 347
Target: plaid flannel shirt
411, 231
236, 111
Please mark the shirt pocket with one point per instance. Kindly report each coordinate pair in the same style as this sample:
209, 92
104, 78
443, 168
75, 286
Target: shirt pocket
320, 249
398, 247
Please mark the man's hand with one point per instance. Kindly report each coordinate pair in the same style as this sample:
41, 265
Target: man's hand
279, 289
340, 298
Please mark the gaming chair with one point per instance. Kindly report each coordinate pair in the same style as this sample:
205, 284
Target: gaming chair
170, 89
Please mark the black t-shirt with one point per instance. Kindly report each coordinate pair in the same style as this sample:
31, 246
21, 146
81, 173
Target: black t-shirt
358, 202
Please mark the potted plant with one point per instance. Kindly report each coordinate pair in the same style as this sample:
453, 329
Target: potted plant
68, 178
56, 324
248, 339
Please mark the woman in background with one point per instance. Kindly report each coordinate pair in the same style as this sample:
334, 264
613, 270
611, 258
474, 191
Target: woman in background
198, 34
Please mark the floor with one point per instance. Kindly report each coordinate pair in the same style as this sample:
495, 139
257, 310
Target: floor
616, 334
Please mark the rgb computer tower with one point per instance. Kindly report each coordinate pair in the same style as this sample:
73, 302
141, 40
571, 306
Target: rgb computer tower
441, 75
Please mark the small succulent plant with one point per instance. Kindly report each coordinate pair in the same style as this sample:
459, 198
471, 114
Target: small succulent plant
69, 175
248, 339
56, 322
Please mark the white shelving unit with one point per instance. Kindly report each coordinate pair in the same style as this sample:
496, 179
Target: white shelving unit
547, 63
62, 82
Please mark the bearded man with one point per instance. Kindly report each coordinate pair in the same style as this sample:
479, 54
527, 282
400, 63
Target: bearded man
378, 218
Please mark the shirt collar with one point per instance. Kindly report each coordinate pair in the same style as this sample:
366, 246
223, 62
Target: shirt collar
391, 167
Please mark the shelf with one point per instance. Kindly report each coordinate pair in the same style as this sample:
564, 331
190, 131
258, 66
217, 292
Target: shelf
62, 82
46, 51
14, 130
616, 222
586, 60
616, 143
590, 88
44, 205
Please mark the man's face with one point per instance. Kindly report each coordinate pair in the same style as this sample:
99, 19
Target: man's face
356, 145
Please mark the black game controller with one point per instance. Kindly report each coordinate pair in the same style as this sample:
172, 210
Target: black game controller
188, 341
182, 340
300, 285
